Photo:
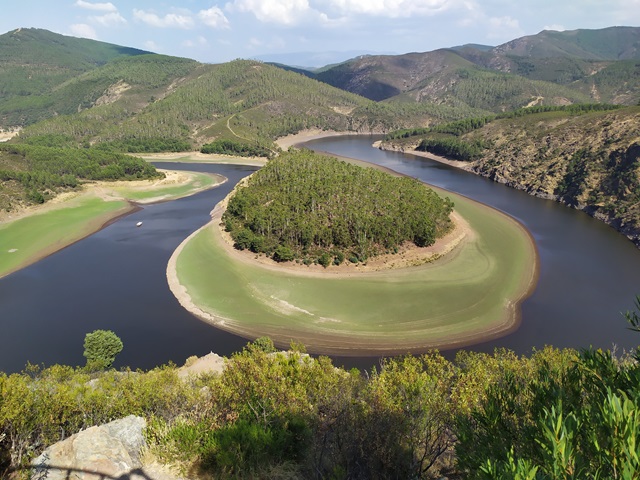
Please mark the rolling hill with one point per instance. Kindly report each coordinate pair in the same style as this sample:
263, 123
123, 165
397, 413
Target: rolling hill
550, 68
35, 62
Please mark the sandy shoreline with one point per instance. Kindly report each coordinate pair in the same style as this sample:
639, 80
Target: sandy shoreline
307, 135
452, 163
199, 157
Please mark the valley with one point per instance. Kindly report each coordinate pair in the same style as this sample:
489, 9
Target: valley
305, 241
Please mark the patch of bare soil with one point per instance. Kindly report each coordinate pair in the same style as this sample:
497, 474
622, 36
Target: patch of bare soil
200, 157
306, 135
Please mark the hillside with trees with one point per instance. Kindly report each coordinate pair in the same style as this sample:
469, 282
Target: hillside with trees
550, 68
307, 207
35, 62
587, 157
193, 104
32, 174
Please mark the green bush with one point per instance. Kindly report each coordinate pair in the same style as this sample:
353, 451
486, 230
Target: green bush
101, 348
283, 254
324, 259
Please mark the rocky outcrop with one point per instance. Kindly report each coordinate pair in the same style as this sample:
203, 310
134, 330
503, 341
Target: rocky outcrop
210, 363
590, 162
106, 451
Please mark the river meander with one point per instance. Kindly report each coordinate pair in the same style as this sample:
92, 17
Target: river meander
115, 279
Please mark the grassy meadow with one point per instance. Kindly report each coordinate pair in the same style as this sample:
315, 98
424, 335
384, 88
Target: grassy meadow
470, 293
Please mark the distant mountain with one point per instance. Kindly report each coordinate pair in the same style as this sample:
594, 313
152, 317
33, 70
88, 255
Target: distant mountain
444, 76
475, 46
312, 60
553, 68
613, 43
156, 103
92, 92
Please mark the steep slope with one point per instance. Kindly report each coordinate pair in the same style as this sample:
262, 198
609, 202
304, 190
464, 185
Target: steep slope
589, 161
445, 76
550, 68
34, 62
613, 43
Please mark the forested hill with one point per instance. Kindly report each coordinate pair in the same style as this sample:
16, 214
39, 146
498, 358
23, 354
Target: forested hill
550, 68
585, 156
304, 206
34, 62
157, 103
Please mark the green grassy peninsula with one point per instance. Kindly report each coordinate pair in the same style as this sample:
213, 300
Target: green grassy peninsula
304, 206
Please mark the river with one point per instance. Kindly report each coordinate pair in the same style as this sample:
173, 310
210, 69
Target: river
115, 279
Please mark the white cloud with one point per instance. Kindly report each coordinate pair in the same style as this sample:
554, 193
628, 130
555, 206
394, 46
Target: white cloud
214, 18
84, 31
108, 20
393, 8
170, 20
198, 42
555, 26
505, 28
286, 12
102, 7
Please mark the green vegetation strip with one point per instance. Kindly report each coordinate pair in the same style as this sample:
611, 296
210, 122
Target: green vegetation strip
24, 241
470, 294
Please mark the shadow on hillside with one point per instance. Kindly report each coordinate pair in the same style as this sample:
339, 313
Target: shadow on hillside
45, 472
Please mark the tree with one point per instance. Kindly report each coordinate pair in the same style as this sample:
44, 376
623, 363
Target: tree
101, 348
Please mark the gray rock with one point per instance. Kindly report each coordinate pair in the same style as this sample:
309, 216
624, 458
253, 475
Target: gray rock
107, 451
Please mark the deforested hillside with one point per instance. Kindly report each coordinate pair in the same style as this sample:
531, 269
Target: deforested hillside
586, 157
445, 77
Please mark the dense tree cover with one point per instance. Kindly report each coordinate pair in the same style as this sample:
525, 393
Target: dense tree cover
466, 125
556, 414
146, 145
452, 148
35, 66
42, 170
235, 147
499, 92
244, 101
307, 206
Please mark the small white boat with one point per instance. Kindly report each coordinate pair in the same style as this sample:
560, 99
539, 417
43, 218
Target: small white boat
139, 224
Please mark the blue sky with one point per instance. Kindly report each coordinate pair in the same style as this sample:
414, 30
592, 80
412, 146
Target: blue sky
218, 31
